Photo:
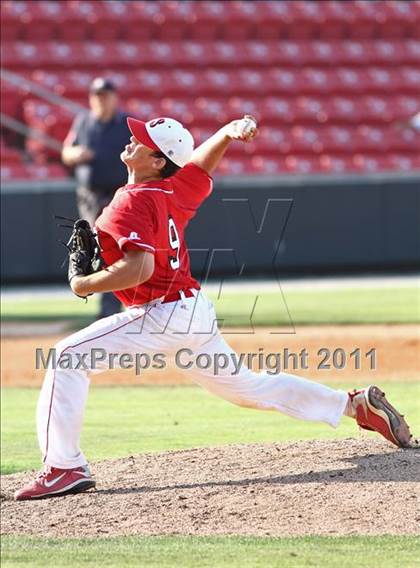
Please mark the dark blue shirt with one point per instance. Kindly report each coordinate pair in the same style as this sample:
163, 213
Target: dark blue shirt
106, 172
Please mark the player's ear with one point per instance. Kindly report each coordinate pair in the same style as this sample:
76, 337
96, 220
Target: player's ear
159, 163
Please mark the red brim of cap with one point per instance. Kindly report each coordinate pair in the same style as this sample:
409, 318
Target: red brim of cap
138, 130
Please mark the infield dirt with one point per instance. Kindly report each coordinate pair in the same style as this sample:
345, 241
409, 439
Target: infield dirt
342, 487
397, 354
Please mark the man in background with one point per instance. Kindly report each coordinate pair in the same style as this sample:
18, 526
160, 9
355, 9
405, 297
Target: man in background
93, 147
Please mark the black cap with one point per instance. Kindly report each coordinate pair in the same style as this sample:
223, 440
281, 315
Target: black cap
100, 84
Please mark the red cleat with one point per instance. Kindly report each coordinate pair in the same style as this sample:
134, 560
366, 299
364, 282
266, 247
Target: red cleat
54, 482
373, 412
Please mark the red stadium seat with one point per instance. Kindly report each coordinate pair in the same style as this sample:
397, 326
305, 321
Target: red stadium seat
406, 106
368, 19
409, 80
150, 83
275, 20
200, 134
278, 110
401, 20
335, 79
22, 55
10, 156
225, 54
370, 164
13, 172
216, 81
411, 51
43, 20
144, 109
274, 140
350, 81
11, 99
404, 140
377, 109
238, 106
175, 19
180, 109
402, 162
113, 21
339, 17
284, 81
305, 140
343, 110
209, 111
382, 79
266, 165
46, 172
234, 166
336, 164
323, 53
61, 54
207, 20
310, 109
259, 53
370, 139
302, 164
184, 82
240, 19
381, 52
337, 140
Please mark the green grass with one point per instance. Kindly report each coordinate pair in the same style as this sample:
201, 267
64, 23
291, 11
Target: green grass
359, 305
214, 552
129, 420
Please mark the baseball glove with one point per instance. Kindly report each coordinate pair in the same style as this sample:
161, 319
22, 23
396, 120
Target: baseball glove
84, 252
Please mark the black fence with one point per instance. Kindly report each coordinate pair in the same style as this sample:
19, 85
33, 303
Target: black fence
251, 226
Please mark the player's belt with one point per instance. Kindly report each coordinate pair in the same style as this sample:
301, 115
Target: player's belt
175, 296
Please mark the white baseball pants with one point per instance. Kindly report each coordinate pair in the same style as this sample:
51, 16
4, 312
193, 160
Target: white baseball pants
163, 328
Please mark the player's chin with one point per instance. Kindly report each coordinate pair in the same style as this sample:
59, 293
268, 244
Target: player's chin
125, 157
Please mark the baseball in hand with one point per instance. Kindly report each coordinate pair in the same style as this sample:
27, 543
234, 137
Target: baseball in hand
247, 127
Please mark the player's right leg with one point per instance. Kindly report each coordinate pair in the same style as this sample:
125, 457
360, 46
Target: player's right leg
64, 393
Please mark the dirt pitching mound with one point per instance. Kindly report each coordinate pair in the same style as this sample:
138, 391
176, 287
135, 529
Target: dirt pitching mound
304, 488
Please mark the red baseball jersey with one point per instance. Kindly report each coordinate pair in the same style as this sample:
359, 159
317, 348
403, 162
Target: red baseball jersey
152, 216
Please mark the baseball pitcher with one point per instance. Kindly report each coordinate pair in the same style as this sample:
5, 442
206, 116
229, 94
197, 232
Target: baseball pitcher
142, 257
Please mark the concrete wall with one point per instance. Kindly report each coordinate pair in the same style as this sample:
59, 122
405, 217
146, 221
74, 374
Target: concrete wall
259, 226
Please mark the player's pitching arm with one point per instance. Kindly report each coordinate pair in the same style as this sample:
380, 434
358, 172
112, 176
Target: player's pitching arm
208, 155
133, 269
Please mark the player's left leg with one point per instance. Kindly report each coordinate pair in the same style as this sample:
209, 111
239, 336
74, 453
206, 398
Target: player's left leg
289, 394
296, 396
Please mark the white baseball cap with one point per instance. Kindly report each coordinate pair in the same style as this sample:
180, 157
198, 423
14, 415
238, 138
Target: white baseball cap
166, 135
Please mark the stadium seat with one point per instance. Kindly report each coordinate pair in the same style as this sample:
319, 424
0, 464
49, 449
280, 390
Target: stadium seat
144, 109
46, 172
180, 109
238, 106
234, 166
302, 164
342, 109
240, 19
216, 81
10, 156
335, 164
209, 111
273, 140
337, 140
278, 110
207, 20
266, 165
13, 172
405, 106
310, 109
402, 162
328, 81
